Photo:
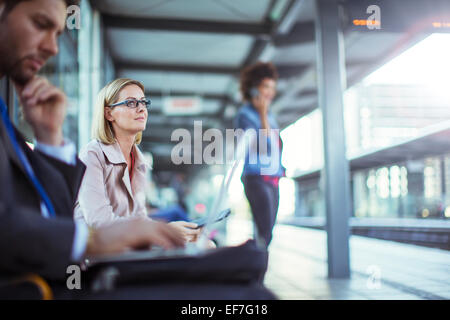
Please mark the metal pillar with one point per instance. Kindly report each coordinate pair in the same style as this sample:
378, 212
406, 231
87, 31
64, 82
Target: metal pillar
331, 83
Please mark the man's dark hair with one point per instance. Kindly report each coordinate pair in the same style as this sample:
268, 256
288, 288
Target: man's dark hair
10, 4
252, 76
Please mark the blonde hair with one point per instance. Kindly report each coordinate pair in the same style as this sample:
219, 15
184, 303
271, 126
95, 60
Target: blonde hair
101, 128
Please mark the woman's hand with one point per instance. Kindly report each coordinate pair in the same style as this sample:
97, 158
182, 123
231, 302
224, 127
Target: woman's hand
187, 229
261, 104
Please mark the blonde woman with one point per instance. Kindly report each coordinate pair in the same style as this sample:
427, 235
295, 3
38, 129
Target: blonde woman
113, 186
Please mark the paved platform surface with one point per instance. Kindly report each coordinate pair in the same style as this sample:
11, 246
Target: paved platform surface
380, 269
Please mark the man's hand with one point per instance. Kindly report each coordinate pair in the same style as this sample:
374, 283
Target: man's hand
188, 229
133, 234
44, 108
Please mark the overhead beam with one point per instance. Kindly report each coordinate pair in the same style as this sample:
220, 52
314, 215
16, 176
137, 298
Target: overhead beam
208, 96
145, 66
307, 92
301, 32
293, 114
261, 43
258, 47
284, 71
289, 18
158, 120
158, 139
126, 22
289, 71
299, 105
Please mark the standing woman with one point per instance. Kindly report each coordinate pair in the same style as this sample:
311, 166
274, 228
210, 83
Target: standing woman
113, 186
258, 89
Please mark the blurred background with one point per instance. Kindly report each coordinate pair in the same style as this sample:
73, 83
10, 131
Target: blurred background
189, 55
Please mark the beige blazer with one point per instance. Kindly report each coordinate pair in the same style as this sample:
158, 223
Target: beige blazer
106, 194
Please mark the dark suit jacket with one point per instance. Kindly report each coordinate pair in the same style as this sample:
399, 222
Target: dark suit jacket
28, 241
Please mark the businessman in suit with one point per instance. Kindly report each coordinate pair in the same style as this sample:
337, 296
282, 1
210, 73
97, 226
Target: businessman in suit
39, 188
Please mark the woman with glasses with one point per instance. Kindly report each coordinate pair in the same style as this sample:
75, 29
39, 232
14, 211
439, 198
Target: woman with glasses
113, 186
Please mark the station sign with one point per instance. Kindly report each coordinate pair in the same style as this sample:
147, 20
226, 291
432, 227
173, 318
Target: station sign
185, 105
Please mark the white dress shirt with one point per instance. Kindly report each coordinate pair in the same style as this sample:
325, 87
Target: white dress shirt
67, 153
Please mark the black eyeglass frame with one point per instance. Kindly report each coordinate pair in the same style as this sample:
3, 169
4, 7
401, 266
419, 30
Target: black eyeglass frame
145, 101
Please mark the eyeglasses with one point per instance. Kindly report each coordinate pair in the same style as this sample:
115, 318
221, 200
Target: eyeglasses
133, 103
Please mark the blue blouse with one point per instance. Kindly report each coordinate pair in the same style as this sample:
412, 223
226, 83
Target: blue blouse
260, 164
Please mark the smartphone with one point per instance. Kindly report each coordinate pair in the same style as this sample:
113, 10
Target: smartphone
222, 215
254, 92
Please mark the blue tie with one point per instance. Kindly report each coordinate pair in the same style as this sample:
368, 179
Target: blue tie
24, 160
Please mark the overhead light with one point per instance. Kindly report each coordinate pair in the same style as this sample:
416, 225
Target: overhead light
365, 22
439, 25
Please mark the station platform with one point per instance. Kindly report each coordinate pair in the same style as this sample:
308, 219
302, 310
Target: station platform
380, 269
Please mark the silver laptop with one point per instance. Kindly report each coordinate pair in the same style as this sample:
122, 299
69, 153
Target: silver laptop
191, 248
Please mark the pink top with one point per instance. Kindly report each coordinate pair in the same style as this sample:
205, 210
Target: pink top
107, 193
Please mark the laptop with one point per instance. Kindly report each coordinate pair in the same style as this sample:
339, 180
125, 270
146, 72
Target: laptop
191, 248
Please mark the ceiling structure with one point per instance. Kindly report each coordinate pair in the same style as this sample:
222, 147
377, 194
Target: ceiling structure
197, 48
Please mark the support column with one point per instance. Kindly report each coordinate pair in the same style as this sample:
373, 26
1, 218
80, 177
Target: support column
331, 83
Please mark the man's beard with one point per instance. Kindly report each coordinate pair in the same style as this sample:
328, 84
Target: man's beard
13, 67
17, 74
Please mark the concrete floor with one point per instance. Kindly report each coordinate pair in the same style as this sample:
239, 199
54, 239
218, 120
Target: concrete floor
380, 269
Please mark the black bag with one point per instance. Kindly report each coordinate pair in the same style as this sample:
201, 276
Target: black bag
244, 264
